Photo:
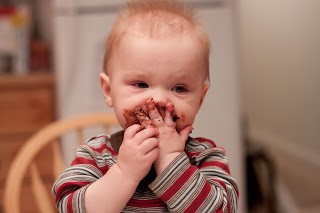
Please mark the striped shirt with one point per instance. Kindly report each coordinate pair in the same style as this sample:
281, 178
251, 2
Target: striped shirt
198, 180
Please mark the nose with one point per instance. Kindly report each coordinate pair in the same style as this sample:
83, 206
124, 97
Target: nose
159, 96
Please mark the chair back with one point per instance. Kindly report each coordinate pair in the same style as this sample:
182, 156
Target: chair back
25, 167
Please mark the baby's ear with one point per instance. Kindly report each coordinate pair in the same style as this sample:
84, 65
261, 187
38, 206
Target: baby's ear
203, 94
106, 88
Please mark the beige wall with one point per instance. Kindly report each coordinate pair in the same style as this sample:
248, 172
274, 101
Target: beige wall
280, 63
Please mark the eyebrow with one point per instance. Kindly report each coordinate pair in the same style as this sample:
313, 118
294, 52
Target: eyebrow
137, 73
181, 76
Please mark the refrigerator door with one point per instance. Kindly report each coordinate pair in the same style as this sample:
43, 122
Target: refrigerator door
80, 32
79, 35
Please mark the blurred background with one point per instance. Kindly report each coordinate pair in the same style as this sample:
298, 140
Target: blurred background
263, 106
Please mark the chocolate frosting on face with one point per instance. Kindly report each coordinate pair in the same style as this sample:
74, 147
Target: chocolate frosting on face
140, 115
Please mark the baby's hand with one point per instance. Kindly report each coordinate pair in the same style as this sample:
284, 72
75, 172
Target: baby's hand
138, 151
171, 143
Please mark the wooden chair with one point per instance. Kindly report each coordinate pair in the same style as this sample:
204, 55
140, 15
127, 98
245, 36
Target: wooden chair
24, 162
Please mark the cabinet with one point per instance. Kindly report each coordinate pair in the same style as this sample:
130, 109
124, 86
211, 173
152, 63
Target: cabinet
26, 104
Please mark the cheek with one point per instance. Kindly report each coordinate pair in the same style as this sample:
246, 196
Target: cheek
120, 118
119, 107
185, 119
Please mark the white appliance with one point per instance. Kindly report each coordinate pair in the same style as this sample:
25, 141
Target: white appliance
80, 29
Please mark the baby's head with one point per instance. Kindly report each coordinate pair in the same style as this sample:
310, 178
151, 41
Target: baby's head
156, 50
157, 19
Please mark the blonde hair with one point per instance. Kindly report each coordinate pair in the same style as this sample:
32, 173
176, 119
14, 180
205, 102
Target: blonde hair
157, 19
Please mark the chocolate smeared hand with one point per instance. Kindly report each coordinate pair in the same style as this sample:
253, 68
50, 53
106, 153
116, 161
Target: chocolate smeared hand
140, 115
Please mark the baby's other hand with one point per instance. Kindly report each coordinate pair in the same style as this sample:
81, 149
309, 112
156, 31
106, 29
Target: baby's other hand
138, 151
171, 142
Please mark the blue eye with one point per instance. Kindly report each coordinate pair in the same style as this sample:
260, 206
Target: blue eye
180, 89
141, 85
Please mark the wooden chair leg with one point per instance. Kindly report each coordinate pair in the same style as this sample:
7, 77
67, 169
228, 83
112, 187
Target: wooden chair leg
43, 200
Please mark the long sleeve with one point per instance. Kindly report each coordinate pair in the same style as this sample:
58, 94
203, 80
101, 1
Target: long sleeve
87, 167
198, 180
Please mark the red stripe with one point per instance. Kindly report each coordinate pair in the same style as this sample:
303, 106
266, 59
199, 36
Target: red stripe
101, 148
219, 210
199, 199
83, 160
219, 164
145, 203
206, 140
223, 184
69, 203
178, 184
104, 169
63, 188
192, 154
61, 191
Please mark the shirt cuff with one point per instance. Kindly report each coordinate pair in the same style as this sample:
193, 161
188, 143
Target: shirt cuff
171, 177
78, 201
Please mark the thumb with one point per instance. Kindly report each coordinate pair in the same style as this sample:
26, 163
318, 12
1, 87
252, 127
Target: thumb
184, 132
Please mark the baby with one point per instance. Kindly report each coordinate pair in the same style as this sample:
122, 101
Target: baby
156, 75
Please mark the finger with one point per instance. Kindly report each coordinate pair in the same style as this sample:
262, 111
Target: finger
154, 114
145, 134
161, 107
131, 131
141, 114
130, 117
169, 113
185, 132
149, 144
153, 154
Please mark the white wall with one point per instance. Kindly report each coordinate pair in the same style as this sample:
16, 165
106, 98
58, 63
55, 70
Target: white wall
280, 63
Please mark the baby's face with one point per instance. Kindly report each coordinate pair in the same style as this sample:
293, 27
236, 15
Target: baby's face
167, 70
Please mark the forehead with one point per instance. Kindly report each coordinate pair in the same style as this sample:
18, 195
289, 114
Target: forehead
142, 54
